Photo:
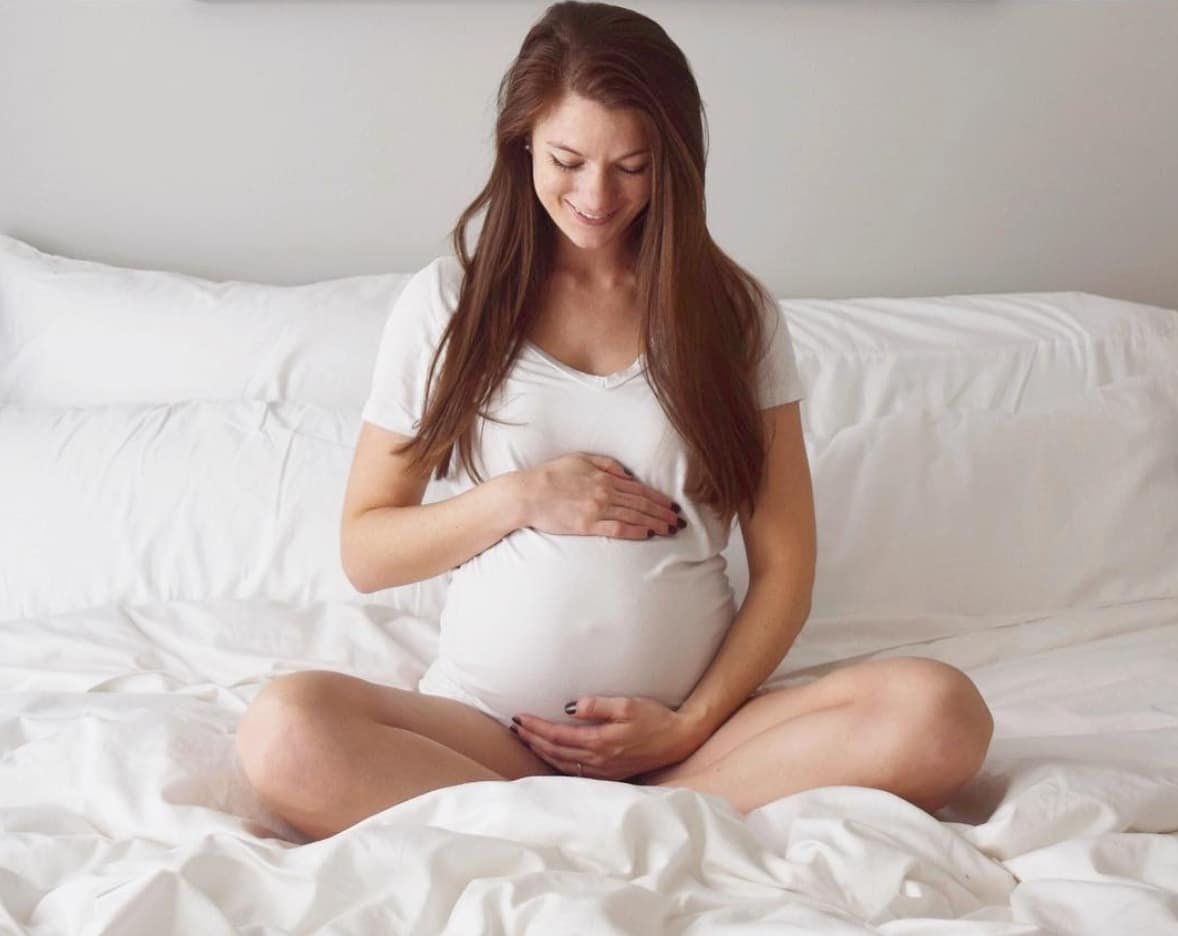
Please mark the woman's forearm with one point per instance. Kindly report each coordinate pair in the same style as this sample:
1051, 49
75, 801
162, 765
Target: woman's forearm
769, 620
388, 546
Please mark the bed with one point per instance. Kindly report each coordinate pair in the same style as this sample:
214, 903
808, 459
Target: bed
996, 486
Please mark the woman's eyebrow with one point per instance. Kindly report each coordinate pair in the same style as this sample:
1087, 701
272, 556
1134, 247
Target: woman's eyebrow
575, 153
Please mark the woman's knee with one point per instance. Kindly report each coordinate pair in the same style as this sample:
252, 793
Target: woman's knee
949, 724
283, 735
957, 721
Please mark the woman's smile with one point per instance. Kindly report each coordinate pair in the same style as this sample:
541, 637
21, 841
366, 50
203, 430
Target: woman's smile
593, 220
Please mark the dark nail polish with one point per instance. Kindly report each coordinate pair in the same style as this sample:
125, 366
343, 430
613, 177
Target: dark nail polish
682, 523
628, 471
514, 730
649, 534
516, 720
570, 708
676, 508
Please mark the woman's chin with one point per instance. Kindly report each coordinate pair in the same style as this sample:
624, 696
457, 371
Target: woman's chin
590, 239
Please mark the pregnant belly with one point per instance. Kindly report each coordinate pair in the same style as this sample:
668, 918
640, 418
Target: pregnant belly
538, 620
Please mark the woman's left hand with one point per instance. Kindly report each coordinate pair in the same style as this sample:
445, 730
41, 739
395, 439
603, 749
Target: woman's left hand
637, 734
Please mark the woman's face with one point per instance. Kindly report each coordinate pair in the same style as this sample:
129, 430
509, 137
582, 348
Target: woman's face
591, 169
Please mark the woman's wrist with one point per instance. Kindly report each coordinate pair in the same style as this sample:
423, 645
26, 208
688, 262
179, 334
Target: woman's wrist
516, 505
693, 730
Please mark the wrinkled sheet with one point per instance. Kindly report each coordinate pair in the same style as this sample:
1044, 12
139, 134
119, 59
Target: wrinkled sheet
123, 808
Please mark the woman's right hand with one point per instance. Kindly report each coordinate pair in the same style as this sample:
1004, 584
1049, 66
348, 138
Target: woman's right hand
592, 495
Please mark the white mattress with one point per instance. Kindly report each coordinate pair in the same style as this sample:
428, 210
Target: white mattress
125, 810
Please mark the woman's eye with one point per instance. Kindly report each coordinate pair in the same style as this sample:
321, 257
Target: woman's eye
566, 168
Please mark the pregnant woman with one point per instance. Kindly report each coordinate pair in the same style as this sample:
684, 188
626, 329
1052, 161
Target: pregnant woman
608, 391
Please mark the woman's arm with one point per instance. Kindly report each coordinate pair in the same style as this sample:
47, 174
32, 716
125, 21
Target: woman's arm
383, 514
781, 544
444, 534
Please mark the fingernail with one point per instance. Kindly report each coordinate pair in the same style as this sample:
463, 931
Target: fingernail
649, 534
628, 471
682, 523
570, 708
516, 720
676, 508
514, 730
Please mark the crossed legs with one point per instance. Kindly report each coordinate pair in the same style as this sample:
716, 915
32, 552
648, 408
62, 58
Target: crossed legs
325, 750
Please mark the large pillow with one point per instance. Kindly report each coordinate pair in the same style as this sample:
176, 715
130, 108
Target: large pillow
80, 333
862, 359
982, 512
196, 500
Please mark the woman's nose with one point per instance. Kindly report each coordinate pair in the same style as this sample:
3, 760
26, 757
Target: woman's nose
599, 186
597, 193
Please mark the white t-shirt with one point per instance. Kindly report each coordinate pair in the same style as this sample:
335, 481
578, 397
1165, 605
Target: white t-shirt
537, 619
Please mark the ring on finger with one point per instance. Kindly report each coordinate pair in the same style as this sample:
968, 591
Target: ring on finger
550, 749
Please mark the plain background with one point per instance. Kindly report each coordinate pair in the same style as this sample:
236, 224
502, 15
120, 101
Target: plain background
858, 147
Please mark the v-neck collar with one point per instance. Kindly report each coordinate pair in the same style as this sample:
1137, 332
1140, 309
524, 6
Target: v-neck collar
604, 381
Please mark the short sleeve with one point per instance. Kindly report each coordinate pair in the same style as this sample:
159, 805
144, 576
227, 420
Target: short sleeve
778, 380
411, 334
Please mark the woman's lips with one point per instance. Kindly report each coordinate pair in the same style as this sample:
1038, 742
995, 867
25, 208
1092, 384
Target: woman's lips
592, 222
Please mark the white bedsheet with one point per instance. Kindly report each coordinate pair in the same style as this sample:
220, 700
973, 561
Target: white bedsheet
123, 810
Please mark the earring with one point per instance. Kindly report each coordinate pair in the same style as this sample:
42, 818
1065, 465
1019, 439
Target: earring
528, 147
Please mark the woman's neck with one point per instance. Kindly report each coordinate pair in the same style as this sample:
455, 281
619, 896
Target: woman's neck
606, 269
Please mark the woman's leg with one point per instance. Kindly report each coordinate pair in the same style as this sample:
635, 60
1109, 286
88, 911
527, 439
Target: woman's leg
325, 750
913, 726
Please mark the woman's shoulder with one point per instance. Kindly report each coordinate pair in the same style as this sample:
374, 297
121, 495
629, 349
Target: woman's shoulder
438, 282
445, 270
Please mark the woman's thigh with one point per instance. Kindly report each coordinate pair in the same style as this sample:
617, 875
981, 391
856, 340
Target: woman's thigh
455, 724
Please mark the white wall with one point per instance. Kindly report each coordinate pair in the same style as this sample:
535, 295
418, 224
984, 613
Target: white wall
891, 147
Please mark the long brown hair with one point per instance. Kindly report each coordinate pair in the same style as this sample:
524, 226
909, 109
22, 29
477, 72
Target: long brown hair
701, 328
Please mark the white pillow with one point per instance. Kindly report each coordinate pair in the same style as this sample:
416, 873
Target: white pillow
986, 512
79, 333
862, 359
193, 501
